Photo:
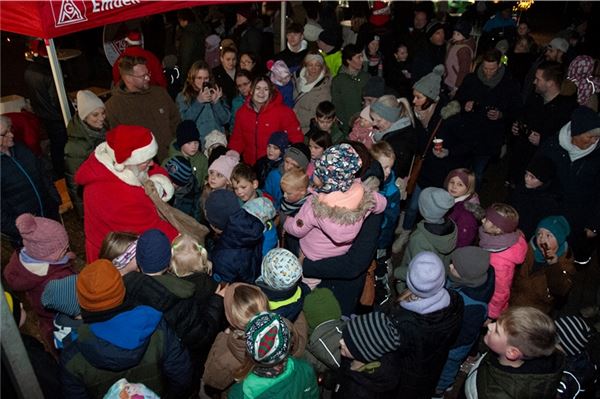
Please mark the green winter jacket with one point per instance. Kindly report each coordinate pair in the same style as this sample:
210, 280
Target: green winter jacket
298, 381
346, 95
82, 140
199, 162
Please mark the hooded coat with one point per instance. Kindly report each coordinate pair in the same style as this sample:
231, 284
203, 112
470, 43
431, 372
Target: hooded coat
238, 252
424, 240
346, 95
136, 345
253, 129
111, 204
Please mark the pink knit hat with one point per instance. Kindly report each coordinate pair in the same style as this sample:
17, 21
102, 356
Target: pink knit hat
44, 239
225, 164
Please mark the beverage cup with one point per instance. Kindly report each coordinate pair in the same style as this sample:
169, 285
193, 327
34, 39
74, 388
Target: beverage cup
438, 145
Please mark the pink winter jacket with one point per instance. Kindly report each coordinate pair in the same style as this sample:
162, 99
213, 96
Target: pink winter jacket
504, 263
326, 231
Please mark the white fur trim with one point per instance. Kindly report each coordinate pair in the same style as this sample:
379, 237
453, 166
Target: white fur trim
105, 155
164, 187
138, 156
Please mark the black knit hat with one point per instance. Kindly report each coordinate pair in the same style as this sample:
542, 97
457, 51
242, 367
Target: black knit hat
463, 27
542, 168
370, 336
329, 37
583, 120
433, 27
186, 132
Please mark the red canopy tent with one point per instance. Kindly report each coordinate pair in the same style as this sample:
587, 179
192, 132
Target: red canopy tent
48, 19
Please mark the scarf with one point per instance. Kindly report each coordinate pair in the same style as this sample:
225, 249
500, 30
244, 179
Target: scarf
493, 82
302, 84
270, 371
40, 267
539, 254
497, 243
575, 153
398, 125
581, 73
292, 208
424, 115
432, 304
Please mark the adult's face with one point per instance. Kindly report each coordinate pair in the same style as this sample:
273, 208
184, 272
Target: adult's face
313, 70
355, 62
438, 38
243, 85
294, 39
553, 54
246, 62
373, 46
7, 139
541, 85
261, 93
138, 79
228, 60
381, 123
490, 68
419, 99
420, 20
521, 46
201, 77
523, 29
585, 140
96, 118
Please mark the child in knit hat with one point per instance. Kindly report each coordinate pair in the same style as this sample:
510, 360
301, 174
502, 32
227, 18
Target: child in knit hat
187, 190
294, 185
219, 175
276, 148
282, 79
280, 280
219, 206
466, 212
262, 208
534, 197
274, 373
213, 140
119, 248
506, 244
61, 296
472, 277
45, 256
297, 156
436, 233
545, 278
328, 222
363, 128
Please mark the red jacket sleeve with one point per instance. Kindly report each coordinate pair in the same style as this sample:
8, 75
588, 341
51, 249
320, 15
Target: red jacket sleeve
292, 126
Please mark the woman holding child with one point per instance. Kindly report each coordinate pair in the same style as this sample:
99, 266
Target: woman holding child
311, 87
262, 114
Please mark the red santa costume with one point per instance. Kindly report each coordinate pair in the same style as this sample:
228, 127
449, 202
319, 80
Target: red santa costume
113, 195
135, 49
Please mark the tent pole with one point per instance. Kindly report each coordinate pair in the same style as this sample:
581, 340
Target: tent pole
15, 355
283, 42
58, 80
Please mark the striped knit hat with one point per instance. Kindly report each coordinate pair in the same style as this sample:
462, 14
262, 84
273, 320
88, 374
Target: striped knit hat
370, 336
573, 334
268, 339
180, 170
61, 295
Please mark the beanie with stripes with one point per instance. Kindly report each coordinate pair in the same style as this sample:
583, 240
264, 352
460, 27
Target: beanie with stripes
370, 336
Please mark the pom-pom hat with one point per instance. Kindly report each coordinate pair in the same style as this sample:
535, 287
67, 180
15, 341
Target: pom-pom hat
44, 239
130, 145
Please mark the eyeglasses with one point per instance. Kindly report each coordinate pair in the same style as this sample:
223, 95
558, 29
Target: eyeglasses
144, 76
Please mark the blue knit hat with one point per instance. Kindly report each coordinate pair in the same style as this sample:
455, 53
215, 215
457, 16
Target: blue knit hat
219, 206
280, 139
153, 253
337, 168
180, 170
186, 132
61, 295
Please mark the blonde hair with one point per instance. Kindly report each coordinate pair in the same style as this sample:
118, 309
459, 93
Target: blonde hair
246, 301
470, 178
530, 330
188, 257
382, 149
115, 243
295, 178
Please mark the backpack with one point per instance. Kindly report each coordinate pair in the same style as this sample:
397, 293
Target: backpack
323, 347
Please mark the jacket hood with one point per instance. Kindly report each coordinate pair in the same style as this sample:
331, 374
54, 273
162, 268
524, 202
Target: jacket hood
442, 244
119, 343
243, 230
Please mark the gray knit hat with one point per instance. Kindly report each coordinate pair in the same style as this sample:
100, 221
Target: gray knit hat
300, 153
472, 263
430, 84
434, 203
390, 114
370, 336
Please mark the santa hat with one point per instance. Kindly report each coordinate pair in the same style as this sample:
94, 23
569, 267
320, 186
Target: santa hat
134, 39
130, 145
380, 14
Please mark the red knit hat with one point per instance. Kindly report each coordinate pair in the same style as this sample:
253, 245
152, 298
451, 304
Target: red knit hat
380, 15
43, 239
134, 39
100, 286
130, 145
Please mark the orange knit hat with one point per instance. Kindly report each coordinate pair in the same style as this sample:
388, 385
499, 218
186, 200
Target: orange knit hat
100, 286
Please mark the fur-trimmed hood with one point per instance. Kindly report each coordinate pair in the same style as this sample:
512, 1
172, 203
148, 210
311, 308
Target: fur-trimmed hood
344, 216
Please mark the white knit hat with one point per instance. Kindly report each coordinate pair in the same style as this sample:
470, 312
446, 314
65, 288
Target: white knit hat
213, 138
87, 102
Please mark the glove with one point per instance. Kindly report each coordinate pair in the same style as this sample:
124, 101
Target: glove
164, 187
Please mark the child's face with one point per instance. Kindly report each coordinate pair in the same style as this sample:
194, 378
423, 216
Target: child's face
293, 194
216, 180
490, 227
456, 187
401, 54
290, 164
244, 189
386, 164
531, 181
273, 152
190, 148
315, 150
545, 238
325, 124
365, 123
496, 339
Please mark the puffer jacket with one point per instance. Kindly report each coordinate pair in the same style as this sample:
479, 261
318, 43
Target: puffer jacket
462, 214
326, 231
253, 129
424, 240
81, 143
305, 104
504, 263
135, 344
207, 116
238, 252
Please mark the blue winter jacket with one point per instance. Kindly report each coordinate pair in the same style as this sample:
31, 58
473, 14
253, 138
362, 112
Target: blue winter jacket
207, 116
391, 212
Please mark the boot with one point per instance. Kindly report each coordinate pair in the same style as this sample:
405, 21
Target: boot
400, 241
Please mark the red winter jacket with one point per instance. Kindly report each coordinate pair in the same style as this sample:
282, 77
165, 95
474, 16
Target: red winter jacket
110, 204
252, 129
157, 77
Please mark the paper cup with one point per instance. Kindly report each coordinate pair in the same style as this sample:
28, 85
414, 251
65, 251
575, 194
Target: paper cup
438, 145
